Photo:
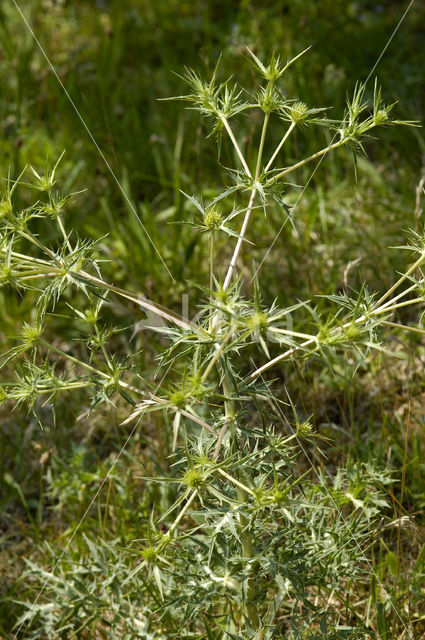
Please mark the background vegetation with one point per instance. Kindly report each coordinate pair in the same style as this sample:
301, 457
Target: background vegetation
116, 59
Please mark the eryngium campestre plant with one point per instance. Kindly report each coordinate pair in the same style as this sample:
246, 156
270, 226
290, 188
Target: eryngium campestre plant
252, 543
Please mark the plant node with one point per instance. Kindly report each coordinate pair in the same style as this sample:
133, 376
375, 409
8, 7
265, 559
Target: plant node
31, 332
212, 218
194, 478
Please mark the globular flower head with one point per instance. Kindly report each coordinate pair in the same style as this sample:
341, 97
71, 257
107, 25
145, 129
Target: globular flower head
304, 429
31, 333
298, 111
194, 478
212, 218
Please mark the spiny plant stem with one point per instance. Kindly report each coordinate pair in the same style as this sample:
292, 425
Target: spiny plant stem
261, 147
236, 145
216, 355
393, 307
361, 319
68, 356
241, 486
397, 297
32, 238
242, 233
183, 511
86, 365
280, 145
26, 258
145, 303
395, 286
301, 163
295, 334
163, 312
64, 233
210, 324
245, 223
404, 327
242, 494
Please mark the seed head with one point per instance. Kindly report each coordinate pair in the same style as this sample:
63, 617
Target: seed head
299, 112
380, 117
31, 332
150, 554
178, 399
353, 332
91, 316
5, 208
304, 429
212, 218
194, 478
258, 322
5, 273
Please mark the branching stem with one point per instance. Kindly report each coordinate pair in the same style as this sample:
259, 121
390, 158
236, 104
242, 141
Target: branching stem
236, 145
280, 145
301, 163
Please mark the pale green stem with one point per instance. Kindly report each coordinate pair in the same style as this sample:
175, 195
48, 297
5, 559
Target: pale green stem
105, 353
314, 156
397, 306
64, 233
173, 527
35, 276
244, 227
235, 144
235, 482
405, 327
65, 387
363, 318
242, 492
216, 356
211, 260
32, 238
295, 334
280, 145
395, 286
278, 358
27, 258
81, 363
210, 324
87, 366
261, 147
400, 295
240, 240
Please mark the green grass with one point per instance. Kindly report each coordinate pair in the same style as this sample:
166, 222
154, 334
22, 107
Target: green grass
116, 61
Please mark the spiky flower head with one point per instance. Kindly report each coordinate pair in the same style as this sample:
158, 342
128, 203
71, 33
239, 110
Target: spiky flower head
5, 207
31, 332
194, 478
212, 218
381, 116
178, 399
150, 554
5, 273
258, 322
298, 111
3, 395
304, 429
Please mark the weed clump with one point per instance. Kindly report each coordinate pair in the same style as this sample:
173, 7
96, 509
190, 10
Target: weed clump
237, 542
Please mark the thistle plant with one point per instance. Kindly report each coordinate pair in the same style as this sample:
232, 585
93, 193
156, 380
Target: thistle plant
256, 542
